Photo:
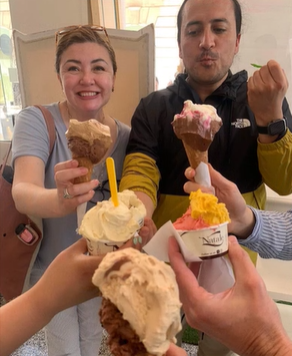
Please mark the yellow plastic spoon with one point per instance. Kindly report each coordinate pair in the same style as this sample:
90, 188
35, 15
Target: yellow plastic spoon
111, 172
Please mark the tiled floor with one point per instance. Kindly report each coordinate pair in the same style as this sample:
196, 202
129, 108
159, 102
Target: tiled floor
36, 346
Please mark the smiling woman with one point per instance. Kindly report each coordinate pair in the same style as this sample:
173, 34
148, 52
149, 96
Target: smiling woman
86, 69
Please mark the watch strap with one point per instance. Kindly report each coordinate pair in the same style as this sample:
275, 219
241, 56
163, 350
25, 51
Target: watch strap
273, 128
263, 130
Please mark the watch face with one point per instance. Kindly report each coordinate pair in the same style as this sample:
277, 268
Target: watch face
277, 127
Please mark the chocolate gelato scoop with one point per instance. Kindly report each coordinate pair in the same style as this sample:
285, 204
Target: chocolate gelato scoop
122, 341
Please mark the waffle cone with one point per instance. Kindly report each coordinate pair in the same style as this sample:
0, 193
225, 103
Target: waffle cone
84, 162
196, 149
196, 157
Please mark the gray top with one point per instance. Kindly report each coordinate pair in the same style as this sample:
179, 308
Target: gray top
31, 138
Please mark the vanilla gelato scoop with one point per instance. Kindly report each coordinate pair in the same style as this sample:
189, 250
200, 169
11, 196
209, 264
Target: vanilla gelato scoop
105, 222
145, 291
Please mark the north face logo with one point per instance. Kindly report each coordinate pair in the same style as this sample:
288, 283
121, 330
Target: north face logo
241, 123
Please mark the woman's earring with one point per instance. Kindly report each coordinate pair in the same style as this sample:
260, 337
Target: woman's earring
113, 89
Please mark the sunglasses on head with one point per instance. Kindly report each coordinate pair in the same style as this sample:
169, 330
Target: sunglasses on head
69, 29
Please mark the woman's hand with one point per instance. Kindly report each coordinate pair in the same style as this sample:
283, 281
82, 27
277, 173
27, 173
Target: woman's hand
139, 240
147, 231
66, 282
71, 195
68, 278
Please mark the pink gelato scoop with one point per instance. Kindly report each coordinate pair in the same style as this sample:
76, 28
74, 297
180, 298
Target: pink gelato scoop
186, 222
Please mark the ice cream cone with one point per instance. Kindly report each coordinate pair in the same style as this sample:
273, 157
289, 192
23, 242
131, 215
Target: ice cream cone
196, 149
93, 151
196, 157
196, 126
84, 162
88, 142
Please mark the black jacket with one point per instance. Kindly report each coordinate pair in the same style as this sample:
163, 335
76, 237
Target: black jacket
234, 149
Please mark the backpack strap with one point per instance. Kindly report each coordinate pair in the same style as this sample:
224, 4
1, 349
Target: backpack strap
4, 163
50, 125
51, 130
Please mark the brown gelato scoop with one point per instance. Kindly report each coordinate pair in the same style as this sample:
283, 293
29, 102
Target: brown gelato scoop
141, 307
88, 141
122, 339
196, 126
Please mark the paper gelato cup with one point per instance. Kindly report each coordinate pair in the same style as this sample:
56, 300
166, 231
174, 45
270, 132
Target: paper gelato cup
206, 243
101, 247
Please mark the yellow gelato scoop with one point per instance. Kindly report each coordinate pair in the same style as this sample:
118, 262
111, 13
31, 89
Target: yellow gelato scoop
206, 206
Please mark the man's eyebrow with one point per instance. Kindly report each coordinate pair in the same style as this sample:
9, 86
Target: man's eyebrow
219, 20
224, 20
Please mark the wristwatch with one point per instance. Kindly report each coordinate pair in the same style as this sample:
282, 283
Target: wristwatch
275, 127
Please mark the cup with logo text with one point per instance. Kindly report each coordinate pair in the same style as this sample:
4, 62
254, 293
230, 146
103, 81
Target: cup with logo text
209, 242
101, 247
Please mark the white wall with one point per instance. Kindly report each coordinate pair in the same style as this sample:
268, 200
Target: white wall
277, 202
29, 16
266, 34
